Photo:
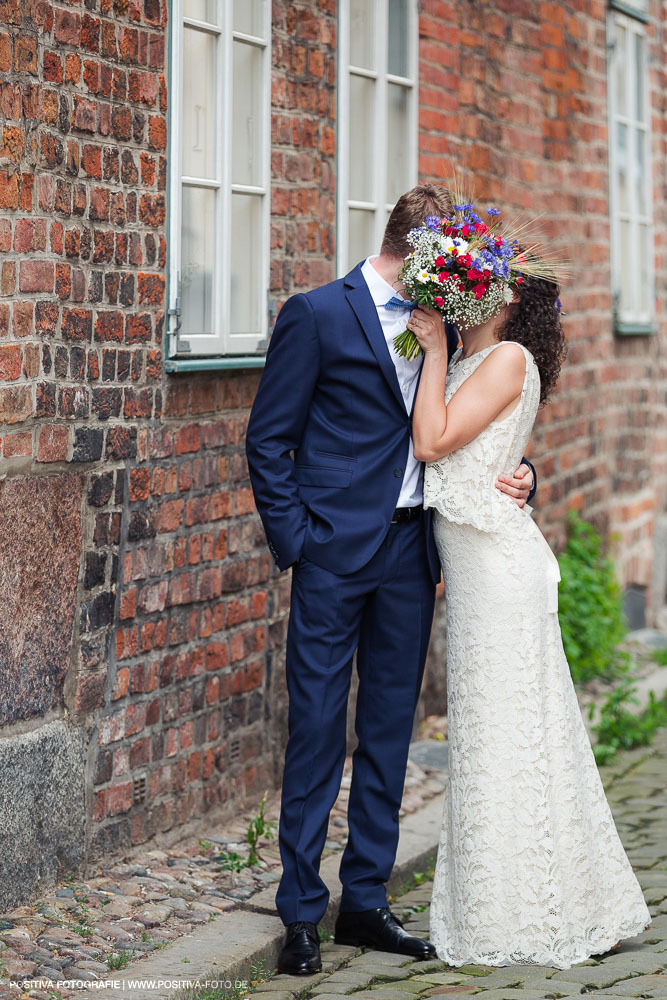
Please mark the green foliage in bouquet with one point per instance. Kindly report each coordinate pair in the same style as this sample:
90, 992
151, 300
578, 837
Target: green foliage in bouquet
590, 605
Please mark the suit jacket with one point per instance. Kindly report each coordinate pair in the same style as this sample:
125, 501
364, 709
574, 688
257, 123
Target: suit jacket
329, 435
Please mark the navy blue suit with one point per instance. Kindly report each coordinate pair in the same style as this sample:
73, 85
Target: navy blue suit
327, 443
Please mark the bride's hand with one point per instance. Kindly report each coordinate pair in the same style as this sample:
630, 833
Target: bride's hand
428, 327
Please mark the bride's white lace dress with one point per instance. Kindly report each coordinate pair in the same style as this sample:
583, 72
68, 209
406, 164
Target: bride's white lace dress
530, 867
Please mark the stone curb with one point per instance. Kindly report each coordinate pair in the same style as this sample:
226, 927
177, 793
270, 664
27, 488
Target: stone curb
229, 945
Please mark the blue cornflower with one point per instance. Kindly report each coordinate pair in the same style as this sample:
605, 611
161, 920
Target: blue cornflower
492, 211
433, 223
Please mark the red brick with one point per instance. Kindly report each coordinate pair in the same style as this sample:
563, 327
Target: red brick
53, 443
9, 190
77, 324
18, 444
13, 141
10, 362
85, 114
25, 54
5, 53
109, 326
36, 276
15, 404
119, 799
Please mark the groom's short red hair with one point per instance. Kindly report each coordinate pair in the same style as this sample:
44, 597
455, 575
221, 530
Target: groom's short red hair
410, 211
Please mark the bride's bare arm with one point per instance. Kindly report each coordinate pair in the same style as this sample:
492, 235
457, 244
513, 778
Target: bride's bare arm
494, 387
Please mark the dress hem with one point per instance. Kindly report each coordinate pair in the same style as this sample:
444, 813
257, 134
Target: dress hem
627, 931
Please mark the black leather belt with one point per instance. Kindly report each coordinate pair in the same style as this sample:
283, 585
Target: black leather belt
402, 514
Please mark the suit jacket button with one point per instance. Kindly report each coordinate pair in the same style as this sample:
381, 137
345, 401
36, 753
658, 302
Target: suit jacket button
398, 473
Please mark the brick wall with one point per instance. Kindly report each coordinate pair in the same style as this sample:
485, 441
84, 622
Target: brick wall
131, 485
174, 666
516, 92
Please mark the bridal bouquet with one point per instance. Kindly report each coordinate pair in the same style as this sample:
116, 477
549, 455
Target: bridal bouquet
465, 268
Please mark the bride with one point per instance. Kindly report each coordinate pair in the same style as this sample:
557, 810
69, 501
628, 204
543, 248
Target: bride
530, 867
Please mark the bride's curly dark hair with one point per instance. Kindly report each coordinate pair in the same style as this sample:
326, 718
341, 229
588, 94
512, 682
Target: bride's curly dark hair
534, 321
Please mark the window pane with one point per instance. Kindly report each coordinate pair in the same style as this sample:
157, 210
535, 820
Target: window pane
245, 263
247, 105
642, 193
622, 166
202, 10
645, 304
249, 17
199, 103
361, 237
619, 60
197, 260
362, 115
362, 34
639, 79
399, 141
398, 61
627, 276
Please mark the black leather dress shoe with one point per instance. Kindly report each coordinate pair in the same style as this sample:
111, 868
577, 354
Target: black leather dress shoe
382, 930
301, 952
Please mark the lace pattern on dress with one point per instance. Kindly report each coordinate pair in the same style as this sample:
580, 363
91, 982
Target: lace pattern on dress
530, 867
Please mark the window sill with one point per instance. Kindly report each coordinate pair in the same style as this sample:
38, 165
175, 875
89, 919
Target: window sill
628, 8
221, 363
634, 329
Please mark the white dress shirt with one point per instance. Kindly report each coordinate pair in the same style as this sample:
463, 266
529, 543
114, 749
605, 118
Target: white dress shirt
393, 322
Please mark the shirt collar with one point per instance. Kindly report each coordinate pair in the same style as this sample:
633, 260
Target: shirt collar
381, 291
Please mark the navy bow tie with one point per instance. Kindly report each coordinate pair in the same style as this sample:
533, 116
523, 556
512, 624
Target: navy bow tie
396, 303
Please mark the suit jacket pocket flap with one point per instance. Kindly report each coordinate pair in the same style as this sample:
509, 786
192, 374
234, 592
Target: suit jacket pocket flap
317, 475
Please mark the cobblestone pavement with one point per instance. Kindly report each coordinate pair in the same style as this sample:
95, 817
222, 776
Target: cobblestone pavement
636, 785
84, 929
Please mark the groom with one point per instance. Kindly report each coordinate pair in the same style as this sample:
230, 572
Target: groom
339, 493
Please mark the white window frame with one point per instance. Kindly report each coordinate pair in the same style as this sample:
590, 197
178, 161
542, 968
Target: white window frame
630, 320
221, 341
381, 205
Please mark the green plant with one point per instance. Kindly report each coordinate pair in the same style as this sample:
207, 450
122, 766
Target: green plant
118, 960
231, 861
324, 935
258, 827
260, 972
619, 729
660, 657
83, 926
590, 605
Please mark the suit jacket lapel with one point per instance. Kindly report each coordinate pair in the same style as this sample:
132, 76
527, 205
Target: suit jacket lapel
362, 303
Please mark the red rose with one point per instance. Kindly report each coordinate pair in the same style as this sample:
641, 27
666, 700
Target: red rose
479, 291
466, 260
439, 301
440, 262
474, 274
519, 280
466, 230
480, 227
443, 276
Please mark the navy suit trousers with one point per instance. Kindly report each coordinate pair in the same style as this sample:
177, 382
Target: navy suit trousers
384, 611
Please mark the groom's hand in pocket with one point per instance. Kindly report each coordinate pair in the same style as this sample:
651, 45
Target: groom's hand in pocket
517, 486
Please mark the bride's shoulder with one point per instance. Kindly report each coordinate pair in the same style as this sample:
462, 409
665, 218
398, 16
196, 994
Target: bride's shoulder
515, 355
513, 358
